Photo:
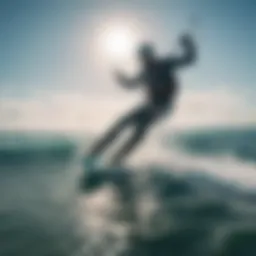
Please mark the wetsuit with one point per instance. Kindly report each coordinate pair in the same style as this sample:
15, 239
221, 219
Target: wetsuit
158, 79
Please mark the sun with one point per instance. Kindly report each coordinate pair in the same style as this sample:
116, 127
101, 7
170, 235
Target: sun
117, 40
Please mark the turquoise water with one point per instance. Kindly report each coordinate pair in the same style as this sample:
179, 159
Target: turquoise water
42, 211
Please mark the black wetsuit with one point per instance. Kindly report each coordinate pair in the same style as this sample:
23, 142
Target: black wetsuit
158, 78
161, 88
160, 83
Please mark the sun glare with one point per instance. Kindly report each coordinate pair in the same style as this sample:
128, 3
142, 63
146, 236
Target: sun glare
117, 41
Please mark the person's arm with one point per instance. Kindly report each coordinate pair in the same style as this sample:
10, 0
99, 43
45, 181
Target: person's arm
189, 55
128, 82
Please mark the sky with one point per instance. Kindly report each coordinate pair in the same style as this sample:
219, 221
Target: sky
57, 59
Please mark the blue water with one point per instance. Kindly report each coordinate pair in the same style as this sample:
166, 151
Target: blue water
42, 211
239, 143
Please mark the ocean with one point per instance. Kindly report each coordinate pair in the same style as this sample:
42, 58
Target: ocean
198, 199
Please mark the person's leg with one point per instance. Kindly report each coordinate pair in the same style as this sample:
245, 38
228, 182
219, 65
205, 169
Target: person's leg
90, 178
143, 122
130, 145
108, 137
114, 132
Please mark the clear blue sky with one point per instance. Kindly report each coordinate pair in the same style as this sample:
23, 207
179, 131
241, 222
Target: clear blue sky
39, 41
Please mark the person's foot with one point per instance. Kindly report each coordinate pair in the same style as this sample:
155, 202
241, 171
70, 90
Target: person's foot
89, 165
89, 183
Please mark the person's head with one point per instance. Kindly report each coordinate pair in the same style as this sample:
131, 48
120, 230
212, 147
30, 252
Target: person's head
146, 53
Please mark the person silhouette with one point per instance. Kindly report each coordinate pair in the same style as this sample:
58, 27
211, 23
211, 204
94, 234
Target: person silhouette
160, 83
